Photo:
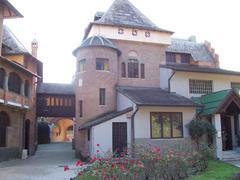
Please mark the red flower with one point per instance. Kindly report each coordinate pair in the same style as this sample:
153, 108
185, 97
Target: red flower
114, 178
113, 165
80, 173
106, 178
98, 145
97, 151
79, 163
66, 168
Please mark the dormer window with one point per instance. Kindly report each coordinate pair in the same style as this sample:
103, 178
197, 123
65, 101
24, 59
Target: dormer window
170, 57
147, 34
134, 32
185, 58
120, 31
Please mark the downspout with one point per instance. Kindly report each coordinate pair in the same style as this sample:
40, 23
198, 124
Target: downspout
133, 129
169, 79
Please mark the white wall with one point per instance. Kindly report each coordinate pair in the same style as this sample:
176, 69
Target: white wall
180, 82
142, 119
123, 102
112, 33
102, 134
164, 76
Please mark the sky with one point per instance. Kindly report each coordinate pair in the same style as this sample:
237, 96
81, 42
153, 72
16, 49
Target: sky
58, 26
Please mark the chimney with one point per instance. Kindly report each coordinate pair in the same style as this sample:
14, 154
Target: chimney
192, 38
34, 46
211, 50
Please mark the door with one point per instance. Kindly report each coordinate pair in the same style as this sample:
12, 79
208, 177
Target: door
119, 136
226, 133
27, 133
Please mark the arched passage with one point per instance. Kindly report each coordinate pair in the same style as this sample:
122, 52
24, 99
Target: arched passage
62, 130
4, 123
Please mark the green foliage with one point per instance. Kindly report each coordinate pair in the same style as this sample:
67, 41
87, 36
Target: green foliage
198, 128
149, 164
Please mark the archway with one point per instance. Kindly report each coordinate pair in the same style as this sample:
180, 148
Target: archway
27, 134
4, 123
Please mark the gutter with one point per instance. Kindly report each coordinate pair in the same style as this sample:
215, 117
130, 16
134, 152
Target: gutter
133, 129
169, 79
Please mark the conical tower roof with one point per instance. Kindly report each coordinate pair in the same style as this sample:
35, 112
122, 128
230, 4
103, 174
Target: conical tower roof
124, 13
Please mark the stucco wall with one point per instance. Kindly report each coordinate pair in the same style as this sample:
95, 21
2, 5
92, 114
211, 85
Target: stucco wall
123, 102
112, 33
180, 82
102, 134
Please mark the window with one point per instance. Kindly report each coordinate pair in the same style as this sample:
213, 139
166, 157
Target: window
26, 88
14, 83
142, 71
4, 123
120, 31
102, 64
170, 57
185, 58
81, 65
133, 68
2, 76
235, 85
102, 96
134, 32
166, 125
88, 134
80, 108
200, 86
52, 101
147, 34
123, 69
48, 103
61, 102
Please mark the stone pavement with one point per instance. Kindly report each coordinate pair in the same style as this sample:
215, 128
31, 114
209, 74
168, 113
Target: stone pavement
47, 164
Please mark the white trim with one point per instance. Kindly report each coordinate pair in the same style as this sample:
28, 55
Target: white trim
14, 104
26, 107
2, 101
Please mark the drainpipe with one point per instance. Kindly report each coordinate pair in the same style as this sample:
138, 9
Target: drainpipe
133, 129
169, 79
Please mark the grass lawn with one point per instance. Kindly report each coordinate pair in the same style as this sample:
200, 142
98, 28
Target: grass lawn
217, 170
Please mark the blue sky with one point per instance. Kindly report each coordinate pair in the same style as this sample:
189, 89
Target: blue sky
59, 25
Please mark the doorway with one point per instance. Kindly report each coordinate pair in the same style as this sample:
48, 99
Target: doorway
226, 127
27, 134
119, 137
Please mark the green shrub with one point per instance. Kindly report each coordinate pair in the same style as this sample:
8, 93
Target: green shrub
198, 128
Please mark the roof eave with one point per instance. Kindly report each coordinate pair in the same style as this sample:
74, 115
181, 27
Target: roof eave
12, 8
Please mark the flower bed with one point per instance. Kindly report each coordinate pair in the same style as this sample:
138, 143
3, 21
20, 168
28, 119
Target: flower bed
147, 162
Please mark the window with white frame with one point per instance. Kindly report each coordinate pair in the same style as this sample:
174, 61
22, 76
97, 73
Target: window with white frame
197, 86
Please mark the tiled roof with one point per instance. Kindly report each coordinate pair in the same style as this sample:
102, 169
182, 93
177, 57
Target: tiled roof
216, 102
197, 50
12, 44
195, 68
144, 96
97, 41
103, 118
124, 13
54, 88
9, 10
17, 66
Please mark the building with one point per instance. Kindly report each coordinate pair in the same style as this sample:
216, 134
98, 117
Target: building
20, 73
134, 83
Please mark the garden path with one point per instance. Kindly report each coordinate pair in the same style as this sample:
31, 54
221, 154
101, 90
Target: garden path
47, 164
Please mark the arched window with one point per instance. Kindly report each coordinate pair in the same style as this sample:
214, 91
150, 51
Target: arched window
123, 69
4, 123
2, 76
14, 83
26, 88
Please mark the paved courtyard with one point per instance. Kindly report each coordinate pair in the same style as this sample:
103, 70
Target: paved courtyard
47, 164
